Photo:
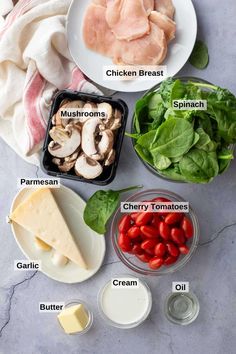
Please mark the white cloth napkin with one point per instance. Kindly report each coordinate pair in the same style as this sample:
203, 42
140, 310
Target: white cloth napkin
34, 63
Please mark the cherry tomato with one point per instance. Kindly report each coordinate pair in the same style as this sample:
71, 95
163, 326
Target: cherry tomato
133, 232
172, 249
124, 223
143, 219
187, 226
170, 260
144, 257
160, 249
164, 231
149, 231
150, 251
184, 249
177, 236
161, 200
156, 262
173, 218
134, 216
156, 220
137, 250
124, 242
145, 245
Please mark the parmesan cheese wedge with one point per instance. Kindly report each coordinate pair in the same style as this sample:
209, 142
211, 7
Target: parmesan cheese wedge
40, 215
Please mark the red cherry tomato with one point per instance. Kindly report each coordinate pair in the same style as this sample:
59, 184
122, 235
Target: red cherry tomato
156, 220
173, 218
160, 249
134, 232
124, 223
124, 242
156, 262
144, 257
137, 250
187, 226
143, 219
177, 236
145, 245
172, 249
170, 260
161, 200
150, 251
184, 249
134, 216
164, 231
149, 231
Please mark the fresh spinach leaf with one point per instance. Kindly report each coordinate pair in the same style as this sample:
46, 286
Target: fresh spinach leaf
147, 139
161, 162
144, 153
174, 138
198, 166
100, 208
199, 57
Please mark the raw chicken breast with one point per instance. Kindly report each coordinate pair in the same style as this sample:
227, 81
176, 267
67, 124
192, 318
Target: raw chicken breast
128, 19
166, 7
100, 2
148, 5
164, 23
97, 35
151, 49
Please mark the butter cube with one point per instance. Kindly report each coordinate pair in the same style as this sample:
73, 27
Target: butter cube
73, 319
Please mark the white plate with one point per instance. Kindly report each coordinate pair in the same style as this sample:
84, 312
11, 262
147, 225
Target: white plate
91, 244
91, 63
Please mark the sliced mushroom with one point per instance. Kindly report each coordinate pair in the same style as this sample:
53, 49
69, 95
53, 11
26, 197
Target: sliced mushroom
56, 161
65, 141
107, 108
110, 158
66, 166
87, 167
106, 142
65, 105
72, 157
89, 132
115, 122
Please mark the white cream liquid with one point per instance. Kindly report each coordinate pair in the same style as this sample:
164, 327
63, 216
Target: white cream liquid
125, 306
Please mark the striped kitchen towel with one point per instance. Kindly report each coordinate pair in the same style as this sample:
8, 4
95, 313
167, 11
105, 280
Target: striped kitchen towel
34, 63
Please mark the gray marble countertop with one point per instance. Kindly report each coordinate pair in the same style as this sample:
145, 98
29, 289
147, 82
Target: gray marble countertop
211, 272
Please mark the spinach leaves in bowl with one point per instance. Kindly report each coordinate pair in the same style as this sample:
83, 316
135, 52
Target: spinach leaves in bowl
185, 145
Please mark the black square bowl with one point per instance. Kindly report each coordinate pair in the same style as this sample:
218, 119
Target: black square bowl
109, 172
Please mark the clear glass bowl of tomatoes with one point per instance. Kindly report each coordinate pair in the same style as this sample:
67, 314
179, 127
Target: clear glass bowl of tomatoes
155, 243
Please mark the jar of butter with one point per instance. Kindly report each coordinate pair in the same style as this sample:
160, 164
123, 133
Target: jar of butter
76, 317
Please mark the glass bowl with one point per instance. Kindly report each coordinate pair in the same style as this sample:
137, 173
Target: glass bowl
88, 311
131, 261
156, 89
134, 323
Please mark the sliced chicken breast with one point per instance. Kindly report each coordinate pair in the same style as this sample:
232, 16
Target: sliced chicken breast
166, 7
164, 23
128, 19
97, 35
100, 2
148, 5
151, 49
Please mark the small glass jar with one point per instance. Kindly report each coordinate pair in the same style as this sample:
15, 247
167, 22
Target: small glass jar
182, 308
120, 302
88, 311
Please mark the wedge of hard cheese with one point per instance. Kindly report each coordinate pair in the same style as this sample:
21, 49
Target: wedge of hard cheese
40, 215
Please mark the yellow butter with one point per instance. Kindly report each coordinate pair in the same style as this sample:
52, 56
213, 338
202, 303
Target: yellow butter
73, 319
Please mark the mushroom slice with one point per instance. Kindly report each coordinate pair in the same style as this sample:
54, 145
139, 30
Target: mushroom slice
65, 141
87, 167
107, 108
106, 142
115, 123
67, 105
56, 161
66, 166
72, 157
110, 158
89, 132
